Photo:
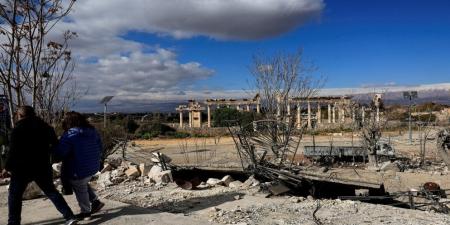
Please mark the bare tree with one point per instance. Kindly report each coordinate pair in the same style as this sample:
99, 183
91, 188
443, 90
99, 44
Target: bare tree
371, 132
30, 63
280, 77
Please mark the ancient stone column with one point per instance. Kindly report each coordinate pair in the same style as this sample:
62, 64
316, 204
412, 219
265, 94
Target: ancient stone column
248, 108
353, 115
258, 108
319, 113
209, 116
190, 118
309, 115
299, 116
363, 113
238, 107
181, 119
334, 113
329, 113
342, 113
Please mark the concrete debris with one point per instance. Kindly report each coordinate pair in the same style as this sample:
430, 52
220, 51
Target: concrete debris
154, 171
361, 192
278, 188
235, 184
32, 191
104, 180
144, 169
227, 180
163, 177
132, 171
106, 167
214, 182
114, 162
251, 182
237, 197
158, 157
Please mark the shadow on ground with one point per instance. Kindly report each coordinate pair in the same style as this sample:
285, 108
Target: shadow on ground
183, 207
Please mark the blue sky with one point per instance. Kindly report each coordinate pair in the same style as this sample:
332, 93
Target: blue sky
354, 43
159, 50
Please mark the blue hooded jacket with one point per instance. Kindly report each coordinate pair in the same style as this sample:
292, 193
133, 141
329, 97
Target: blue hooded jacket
80, 149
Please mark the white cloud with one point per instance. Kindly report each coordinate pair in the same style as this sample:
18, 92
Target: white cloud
109, 64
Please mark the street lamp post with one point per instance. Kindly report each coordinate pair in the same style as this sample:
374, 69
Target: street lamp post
105, 101
410, 95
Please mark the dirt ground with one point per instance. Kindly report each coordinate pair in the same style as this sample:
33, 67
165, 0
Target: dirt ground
220, 152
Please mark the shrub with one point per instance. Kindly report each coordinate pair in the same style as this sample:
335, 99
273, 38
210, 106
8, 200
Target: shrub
153, 129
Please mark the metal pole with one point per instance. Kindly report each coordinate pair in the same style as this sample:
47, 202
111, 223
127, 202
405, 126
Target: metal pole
104, 116
409, 121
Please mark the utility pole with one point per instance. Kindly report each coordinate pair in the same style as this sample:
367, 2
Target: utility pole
410, 95
105, 101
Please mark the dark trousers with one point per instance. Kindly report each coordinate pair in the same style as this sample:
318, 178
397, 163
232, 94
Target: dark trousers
44, 180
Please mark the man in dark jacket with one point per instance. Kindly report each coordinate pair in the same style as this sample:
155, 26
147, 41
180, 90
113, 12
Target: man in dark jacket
29, 160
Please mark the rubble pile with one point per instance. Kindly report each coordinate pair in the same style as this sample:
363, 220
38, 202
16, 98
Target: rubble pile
300, 211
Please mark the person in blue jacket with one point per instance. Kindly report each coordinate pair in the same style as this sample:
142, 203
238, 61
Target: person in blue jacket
80, 149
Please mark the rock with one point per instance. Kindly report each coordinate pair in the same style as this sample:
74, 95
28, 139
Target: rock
114, 162
157, 155
251, 182
278, 188
32, 191
227, 180
214, 182
310, 198
106, 167
215, 209
362, 192
104, 180
163, 177
154, 171
144, 169
235, 184
237, 197
132, 171
294, 199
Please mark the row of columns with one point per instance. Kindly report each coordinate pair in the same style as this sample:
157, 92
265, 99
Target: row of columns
331, 113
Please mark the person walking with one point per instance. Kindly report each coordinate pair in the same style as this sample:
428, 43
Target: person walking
29, 160
80, 149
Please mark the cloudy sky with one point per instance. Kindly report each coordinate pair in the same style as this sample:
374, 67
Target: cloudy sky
145, 51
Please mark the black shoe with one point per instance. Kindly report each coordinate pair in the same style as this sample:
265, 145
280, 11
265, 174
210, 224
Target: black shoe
71, 222
83, 216
96, 206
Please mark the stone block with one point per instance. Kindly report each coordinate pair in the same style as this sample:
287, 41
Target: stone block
214, 182
132, 171
227, 180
